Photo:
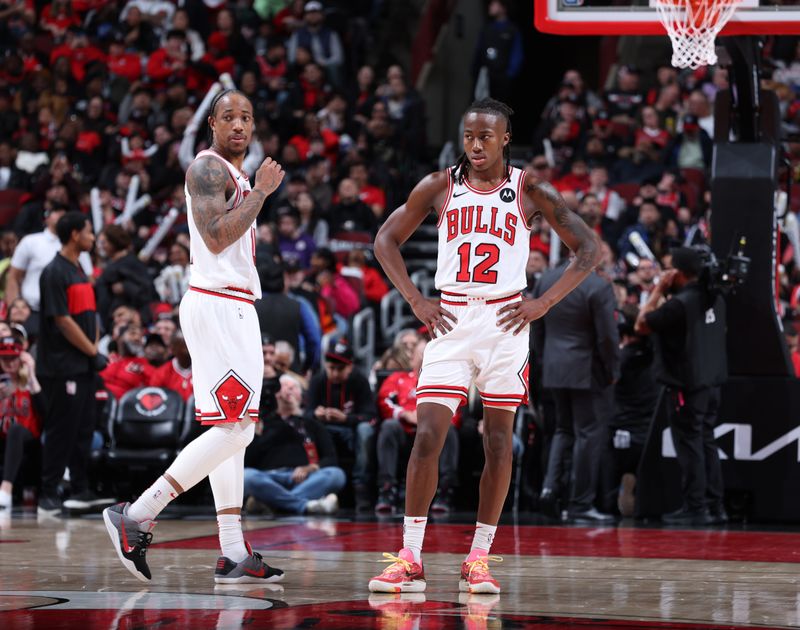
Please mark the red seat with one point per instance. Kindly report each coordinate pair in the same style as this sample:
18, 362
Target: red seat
354, 237
696, 177
626, 190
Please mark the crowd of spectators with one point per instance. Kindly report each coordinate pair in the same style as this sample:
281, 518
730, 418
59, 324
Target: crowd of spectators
99, 97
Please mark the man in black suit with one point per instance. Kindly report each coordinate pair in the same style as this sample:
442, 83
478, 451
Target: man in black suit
576, 347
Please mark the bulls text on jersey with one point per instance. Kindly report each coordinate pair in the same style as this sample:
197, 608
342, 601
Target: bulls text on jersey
480, 220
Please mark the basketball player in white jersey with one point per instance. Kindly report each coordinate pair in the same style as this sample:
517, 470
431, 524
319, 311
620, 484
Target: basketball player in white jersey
221, 329
479, 327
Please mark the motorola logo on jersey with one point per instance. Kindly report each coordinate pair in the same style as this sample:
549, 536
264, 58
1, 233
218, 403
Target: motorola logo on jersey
507, 195
480, 220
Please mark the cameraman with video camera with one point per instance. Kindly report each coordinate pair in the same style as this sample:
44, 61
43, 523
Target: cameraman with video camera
691, 364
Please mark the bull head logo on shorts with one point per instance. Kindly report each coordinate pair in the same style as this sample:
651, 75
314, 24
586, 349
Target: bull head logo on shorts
233, 396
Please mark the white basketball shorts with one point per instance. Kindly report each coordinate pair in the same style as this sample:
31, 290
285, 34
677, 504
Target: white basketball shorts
476, 350
224, 340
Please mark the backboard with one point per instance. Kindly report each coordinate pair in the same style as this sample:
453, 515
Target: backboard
640, 17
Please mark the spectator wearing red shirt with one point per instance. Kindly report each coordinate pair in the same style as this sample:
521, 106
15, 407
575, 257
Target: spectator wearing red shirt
121, 62
80, 53
397, 411
131, 369
669, 196
20, 413
333, 288
57, 17
611, 203
175, 374
290, 18
272, 65
171, 61
314, 135
374, 287
371, 195
217, 55
651, 130
577, 180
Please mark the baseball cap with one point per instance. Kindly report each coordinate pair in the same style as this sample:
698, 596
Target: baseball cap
690, 122
10, 347
312, 6
602, 118
154, 338
18, 332
687, 260
340, 352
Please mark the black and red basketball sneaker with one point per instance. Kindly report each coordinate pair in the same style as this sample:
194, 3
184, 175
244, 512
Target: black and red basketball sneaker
251, 570
130, 538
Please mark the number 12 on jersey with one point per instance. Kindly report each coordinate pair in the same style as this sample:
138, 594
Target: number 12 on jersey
482, 272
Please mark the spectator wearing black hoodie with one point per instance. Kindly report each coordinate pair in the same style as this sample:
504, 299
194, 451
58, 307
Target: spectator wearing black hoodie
350, 214
286, 318
125, 279
340, 397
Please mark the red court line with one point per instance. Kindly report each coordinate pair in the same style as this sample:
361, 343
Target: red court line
528, 540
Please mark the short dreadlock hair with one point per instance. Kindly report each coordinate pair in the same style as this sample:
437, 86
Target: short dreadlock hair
485, 106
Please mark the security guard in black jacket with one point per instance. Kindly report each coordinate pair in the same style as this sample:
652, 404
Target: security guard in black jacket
691, 363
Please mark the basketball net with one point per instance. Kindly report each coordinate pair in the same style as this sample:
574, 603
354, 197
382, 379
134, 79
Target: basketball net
693, 25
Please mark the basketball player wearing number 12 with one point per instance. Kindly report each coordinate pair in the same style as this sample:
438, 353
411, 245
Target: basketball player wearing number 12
479, 327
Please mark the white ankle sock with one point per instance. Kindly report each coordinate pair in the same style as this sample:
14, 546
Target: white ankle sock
152, 501
484, 535
413, 534
5, 499
231, 539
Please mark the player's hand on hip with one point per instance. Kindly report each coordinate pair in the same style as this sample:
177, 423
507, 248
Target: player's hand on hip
269, 176
517, 315
433, 316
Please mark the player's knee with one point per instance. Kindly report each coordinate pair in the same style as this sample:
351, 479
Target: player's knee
497, 443
247, 434
239, 435
427, 442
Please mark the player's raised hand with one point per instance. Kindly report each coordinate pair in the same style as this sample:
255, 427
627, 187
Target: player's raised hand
269, 176
518, 315
430, 313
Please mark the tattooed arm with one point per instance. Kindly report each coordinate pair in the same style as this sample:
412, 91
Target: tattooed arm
206, 180
578, 236
541, 197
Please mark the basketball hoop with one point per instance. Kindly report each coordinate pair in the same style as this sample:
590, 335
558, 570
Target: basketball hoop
693, 25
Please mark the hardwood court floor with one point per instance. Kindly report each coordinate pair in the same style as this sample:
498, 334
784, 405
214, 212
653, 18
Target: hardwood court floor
58, 573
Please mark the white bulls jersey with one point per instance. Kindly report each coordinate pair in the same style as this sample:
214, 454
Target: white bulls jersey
484, 239
234, 267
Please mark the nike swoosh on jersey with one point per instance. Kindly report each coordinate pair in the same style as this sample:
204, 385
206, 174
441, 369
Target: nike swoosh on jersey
463, 192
